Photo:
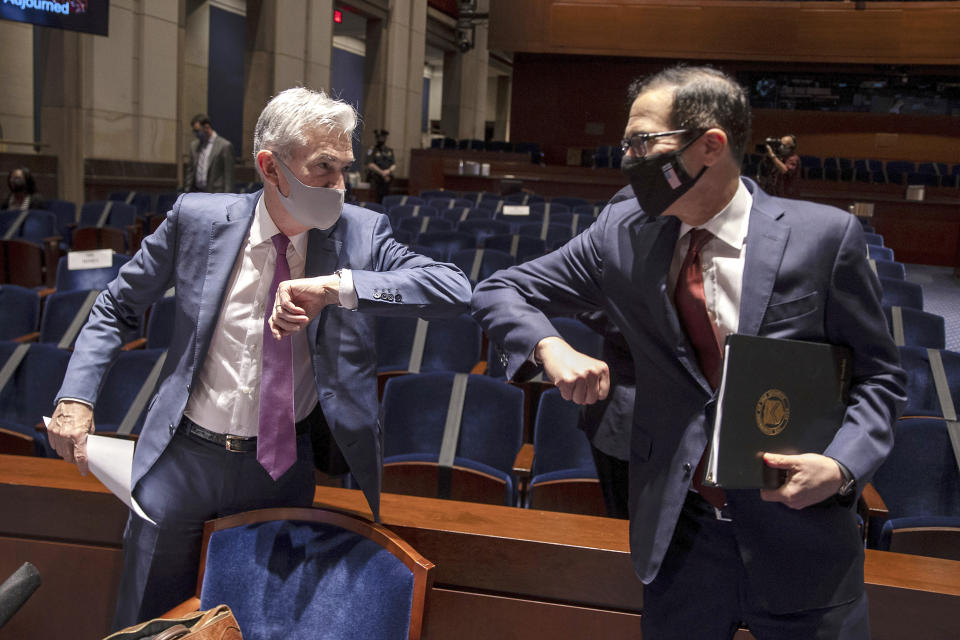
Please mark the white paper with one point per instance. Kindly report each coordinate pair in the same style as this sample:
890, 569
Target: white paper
111, 461
516, 210
96, 259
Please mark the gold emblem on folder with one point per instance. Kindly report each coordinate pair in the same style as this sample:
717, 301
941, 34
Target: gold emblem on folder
773, 412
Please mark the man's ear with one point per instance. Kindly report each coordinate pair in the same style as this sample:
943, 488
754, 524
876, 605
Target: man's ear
267, 164
716, 144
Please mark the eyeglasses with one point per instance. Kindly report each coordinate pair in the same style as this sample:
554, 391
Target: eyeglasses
638, 141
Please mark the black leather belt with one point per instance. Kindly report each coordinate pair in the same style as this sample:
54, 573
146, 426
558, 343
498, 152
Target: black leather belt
236, 444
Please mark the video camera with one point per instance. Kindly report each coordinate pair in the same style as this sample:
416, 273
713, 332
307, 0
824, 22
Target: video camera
774, 143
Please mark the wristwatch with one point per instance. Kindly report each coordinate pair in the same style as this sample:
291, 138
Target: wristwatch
849, 482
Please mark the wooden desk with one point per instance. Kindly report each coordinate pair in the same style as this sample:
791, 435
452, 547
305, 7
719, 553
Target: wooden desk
501, 572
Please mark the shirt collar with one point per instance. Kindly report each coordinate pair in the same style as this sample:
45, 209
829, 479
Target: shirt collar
730, 225
264, 228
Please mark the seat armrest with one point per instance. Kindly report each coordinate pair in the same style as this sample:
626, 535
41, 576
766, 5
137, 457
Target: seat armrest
480, 368
139, 343
874, 503
33, 336
523, 463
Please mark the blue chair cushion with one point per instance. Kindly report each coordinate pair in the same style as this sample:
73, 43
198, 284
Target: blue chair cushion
293, 580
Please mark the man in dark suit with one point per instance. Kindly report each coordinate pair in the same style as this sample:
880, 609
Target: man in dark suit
211, 159
707, 254
215, 440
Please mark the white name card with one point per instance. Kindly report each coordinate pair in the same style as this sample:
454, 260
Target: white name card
97, 259
516, 210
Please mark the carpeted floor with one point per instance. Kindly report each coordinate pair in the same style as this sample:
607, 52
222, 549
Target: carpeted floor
941, 295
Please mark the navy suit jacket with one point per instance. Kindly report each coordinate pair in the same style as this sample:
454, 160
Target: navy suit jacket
195, 250
805, 277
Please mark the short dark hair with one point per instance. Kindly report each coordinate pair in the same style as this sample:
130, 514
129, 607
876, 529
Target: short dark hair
703, 97
201, 119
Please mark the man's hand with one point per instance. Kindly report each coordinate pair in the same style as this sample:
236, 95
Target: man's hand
811, 478
579, 377
68, 429
300, 301
770, 151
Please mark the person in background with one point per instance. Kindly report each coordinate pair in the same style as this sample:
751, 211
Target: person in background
23, 192
211, 159
380, 165
780, 167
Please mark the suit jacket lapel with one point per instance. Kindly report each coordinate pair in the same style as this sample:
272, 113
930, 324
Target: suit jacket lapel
323, 257
226, 241
766, 242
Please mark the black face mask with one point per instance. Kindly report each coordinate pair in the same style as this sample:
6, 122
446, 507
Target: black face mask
18, 184
659, 180
201, 136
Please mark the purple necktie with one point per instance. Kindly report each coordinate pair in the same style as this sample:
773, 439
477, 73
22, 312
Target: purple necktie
277, 439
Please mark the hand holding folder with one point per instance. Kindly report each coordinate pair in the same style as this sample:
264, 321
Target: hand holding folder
779, 396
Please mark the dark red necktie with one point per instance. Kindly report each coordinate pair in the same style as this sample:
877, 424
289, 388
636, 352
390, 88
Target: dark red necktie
691, 304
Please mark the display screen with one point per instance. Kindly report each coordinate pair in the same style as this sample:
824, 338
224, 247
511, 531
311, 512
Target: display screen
89, 16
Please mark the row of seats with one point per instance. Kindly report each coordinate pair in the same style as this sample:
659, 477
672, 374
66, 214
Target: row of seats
933, 174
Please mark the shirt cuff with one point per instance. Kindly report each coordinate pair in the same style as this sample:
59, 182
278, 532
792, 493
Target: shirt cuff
78, 400
347, 293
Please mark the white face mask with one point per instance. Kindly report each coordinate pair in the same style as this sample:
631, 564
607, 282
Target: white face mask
317, 207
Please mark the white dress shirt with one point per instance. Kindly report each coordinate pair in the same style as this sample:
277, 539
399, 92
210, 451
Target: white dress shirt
203, 163
226, 395
722, 258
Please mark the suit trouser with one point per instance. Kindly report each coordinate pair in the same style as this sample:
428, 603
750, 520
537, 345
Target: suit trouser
194, 481
614, 476
701, 591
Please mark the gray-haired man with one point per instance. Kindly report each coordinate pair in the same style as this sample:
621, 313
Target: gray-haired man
215, 441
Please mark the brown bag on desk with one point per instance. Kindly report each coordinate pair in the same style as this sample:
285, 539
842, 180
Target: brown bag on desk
217, 623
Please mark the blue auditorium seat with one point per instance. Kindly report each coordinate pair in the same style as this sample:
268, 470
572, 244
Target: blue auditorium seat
563, 475
301, 574
414, 414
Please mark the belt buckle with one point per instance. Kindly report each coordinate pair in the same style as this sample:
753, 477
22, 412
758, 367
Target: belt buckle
230, 440
719, 514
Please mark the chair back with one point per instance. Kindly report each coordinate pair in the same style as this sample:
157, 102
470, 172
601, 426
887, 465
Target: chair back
446, 242
392, 201
125, 379
890, 269
518, 246
490, 262
920, 477
69, 280
901, 293
19, 311
414, 416
922, 397
447, 344
120, 216
915, 328
30, 393
60, 316
313, 573
873, 239
879, 253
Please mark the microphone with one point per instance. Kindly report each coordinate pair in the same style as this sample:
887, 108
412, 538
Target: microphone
16, 590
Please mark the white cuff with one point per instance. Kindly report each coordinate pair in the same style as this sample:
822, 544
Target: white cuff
348, 295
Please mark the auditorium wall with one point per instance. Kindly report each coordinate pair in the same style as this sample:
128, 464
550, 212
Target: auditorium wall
566, 101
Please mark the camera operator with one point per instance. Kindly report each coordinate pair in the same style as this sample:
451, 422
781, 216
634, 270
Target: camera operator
779, 171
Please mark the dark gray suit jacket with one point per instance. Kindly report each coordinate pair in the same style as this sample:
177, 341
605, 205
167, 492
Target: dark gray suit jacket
220, 171
195, 250
806, 277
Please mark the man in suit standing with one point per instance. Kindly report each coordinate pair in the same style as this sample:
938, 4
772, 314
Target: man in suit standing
706, 254
230, 426
211, 159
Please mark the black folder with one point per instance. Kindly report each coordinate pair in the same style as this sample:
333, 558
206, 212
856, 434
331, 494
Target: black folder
778, 396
